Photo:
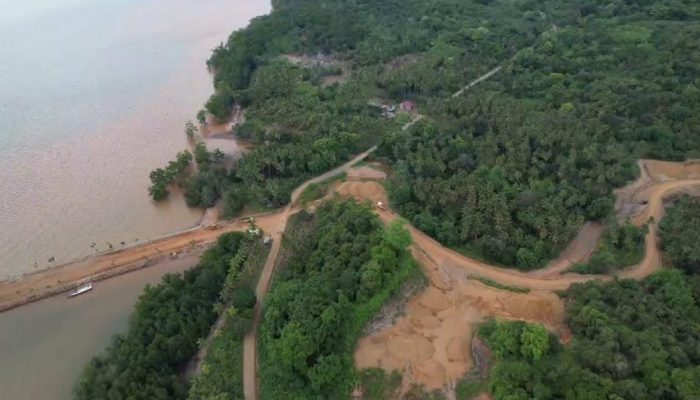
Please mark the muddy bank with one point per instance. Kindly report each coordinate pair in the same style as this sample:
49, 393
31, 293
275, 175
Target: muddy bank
53, 285
65, 277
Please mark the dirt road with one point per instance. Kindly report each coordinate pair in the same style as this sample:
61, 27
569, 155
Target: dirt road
431, 343
477, 81
60, 279
250, 357
649, 264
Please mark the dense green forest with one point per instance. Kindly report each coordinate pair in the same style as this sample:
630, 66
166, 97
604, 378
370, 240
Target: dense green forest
680, 234
169, 319
512, 181
511, 170
632, 340
508, 171
337, 268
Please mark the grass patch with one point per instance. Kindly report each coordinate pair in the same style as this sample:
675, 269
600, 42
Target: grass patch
469, 389
317, 190
492, 283
378, 385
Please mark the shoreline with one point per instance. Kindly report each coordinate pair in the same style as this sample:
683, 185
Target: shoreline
209, 218
56, 280
62, 278
104, 275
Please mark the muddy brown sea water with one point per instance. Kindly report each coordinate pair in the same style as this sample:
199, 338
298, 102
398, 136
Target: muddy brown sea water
94, 96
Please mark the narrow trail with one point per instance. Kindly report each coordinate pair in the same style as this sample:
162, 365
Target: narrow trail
477, 81
194, 366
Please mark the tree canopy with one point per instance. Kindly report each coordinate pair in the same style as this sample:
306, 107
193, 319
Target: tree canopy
680, 234
632, 340
340, 266
510, 170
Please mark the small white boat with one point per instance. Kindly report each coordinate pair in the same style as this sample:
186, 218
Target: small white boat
82, 289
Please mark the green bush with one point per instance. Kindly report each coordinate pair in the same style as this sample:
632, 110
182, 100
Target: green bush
630, 340
243, 298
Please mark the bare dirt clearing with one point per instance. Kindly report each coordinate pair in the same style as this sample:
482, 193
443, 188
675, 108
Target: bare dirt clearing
322, 61
362, 191
431, 343
433, 339
665, 170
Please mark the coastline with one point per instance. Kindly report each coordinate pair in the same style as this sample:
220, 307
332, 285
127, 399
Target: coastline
79, 148
54, 280
62, 278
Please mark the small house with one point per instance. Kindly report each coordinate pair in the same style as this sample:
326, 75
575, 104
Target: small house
408, 105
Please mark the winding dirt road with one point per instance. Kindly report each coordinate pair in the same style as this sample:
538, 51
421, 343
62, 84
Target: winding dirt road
653, 212
431, 343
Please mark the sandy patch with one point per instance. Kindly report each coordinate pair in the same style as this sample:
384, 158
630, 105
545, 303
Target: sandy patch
363, 190
433, 339
665, 170
365, 173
